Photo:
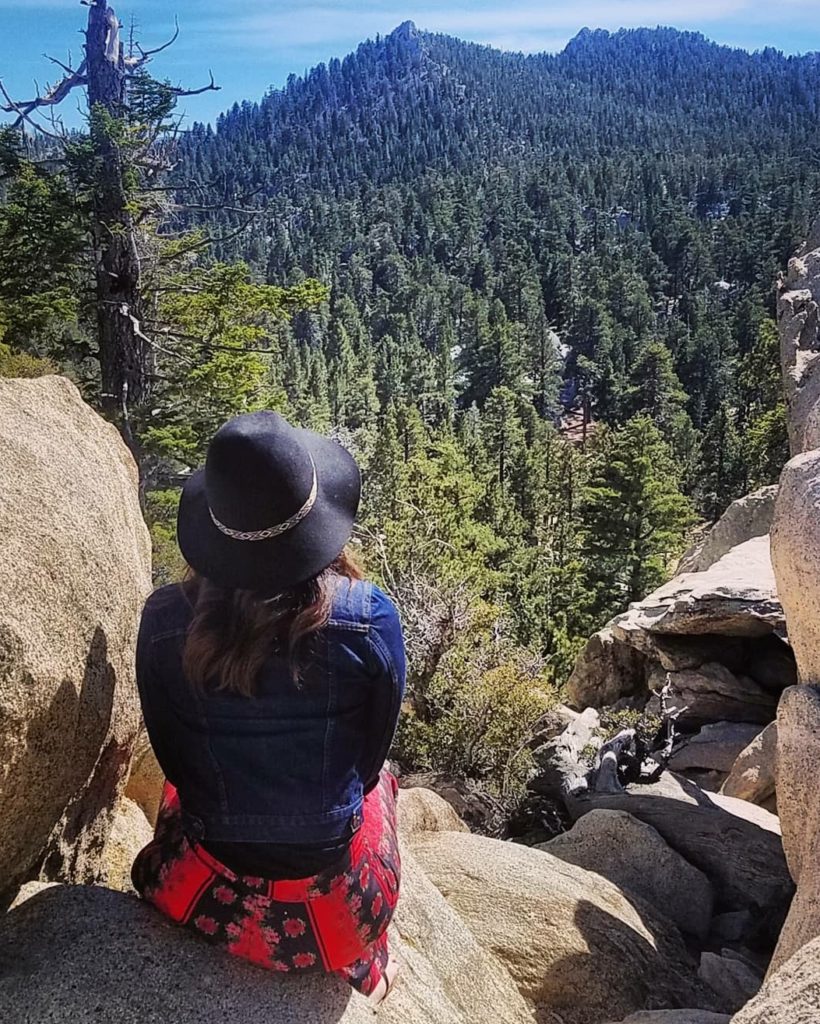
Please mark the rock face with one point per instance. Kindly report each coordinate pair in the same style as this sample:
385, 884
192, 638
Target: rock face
558, 760
724, 616
795, 537
713, 693
752, 776
730, 977
791, 995
129, 834
146, 779
422, 810
635, 858
676, 1017
798, 771
573, 943
79, 955
748, 517
734, 597
796, 559
74, 571
607, 670
472, 805
715, 747
798, 315
736, 845
29, 890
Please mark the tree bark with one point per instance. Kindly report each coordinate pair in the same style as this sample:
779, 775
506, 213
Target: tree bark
124, 350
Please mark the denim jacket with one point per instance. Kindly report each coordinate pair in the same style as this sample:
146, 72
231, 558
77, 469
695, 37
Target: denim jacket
291, 764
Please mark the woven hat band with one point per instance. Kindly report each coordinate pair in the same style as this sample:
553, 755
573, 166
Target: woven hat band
273, 531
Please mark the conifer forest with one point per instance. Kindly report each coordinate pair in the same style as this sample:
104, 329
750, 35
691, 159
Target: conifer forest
534, 295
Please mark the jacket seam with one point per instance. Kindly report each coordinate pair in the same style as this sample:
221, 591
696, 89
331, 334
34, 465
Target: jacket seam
168, 633
331, 682
220, 778
353, 627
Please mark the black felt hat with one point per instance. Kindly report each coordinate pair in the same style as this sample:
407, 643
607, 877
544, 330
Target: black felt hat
273, 506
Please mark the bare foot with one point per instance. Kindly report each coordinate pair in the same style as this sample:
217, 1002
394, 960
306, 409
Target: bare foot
385, 986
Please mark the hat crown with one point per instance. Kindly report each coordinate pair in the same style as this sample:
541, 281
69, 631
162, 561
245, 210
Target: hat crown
258, 472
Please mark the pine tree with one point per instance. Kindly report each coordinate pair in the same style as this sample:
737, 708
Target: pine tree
635, 517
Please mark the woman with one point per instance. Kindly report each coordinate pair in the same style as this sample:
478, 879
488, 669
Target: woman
270, 683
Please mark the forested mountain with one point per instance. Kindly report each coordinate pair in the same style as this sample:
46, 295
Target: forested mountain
638, 189
543, 320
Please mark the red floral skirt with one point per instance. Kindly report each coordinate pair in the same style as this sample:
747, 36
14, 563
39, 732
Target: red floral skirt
336, 921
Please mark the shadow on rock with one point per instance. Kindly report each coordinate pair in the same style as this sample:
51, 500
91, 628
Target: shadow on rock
76, 955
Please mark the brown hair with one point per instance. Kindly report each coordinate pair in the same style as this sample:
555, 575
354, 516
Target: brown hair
233, 632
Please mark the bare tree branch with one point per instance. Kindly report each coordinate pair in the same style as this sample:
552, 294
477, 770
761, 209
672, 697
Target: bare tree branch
65, 67
56, 94
210, 87
24, 116
146, 55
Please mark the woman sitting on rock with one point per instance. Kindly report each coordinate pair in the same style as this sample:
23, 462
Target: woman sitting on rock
271, 682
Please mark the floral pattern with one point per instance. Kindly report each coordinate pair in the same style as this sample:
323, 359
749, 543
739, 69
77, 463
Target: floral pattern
335, 921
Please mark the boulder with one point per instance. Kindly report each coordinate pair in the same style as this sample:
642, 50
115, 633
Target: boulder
716, 747
798, 801
473, 805
129, 834
606, 671
752, 776
79, 955
725, 615
575, 945
734, 597
74, 573
796, 559
560, 764
736, 845
635, 858
146, 779
798, 316
422, 810
676, 1017
790, 995
748, 517
712, 693
795, 538
552, 724
30, 889
731, 978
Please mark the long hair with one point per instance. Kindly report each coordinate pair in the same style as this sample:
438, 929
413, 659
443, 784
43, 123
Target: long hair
233, 632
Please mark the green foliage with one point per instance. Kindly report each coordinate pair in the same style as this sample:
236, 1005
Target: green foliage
505, 254
161, 515
21, 364
635, 517
41, 247
222, 354
479, 711
646, 723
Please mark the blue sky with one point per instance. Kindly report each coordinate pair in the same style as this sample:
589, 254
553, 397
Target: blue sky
269, 39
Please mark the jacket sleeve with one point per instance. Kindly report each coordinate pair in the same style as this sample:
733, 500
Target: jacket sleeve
155, 711
388, 665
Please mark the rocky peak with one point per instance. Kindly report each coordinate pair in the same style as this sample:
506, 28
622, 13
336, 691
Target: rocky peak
407, 30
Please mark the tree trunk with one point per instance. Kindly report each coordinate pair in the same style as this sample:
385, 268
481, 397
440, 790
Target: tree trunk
123, 349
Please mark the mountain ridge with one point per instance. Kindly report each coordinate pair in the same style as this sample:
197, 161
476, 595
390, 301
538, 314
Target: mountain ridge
413, 101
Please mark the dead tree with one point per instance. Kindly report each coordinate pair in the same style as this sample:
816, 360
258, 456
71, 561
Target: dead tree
107, 73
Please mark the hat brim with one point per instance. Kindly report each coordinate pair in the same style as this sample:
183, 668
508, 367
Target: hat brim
269, 567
